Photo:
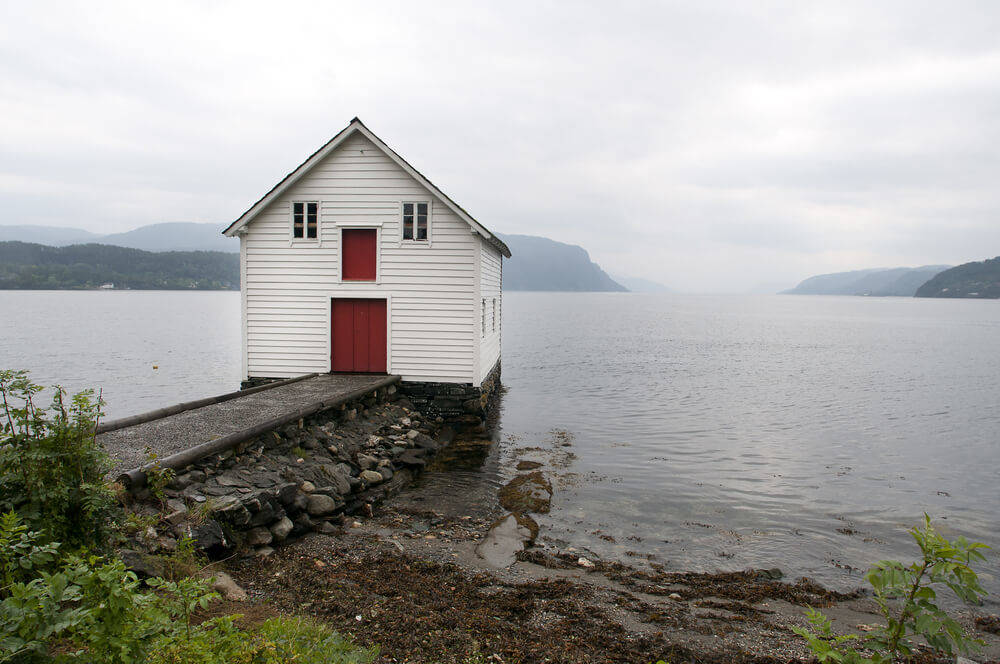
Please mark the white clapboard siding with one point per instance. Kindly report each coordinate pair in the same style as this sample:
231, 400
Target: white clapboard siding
431, 289
491, 297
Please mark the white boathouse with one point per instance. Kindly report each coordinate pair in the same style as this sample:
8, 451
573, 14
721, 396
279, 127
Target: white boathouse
355, 262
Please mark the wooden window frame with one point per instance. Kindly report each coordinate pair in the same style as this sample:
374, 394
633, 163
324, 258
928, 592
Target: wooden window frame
305, 239
402, 230
494, 314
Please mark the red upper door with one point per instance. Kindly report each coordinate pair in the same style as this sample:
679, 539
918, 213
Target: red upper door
358, 336
358, 254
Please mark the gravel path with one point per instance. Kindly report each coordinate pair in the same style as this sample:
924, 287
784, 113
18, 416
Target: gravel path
174, 433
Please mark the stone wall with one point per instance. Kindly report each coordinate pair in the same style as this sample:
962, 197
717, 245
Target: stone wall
457, 403
303, 477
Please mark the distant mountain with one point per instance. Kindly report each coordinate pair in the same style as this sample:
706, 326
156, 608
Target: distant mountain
900, 281
541, 264
82, 266
53, 236
174, 236
979, 280
637, 285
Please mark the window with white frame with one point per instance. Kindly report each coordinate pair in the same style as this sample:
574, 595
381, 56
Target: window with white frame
484, 317
416, 221
305, 220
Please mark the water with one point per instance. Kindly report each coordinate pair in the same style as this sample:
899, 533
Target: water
712, 432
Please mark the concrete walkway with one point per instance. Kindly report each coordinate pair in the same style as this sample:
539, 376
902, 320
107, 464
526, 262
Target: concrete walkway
180, 431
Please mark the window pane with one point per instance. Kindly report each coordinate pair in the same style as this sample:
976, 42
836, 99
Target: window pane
297, 229
422, 227
407, 208
421, 208
312, 230
312, 209
297, 208
407, 227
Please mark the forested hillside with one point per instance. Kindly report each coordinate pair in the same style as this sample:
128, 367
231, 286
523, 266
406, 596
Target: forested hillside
81, 266
980, 279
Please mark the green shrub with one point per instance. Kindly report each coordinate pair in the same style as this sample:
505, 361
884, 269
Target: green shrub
305, 641
22, 556
51, 467
906, 598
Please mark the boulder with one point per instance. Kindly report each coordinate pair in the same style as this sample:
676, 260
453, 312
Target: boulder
282, 528
367, 462
143, 565
371, 476
321, 505
258, 536
229, 589
307, 487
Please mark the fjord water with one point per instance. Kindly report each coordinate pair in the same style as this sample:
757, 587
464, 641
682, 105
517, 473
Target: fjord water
713, 432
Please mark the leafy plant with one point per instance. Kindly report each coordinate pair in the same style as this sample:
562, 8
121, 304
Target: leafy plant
22, 557
906, 598
158, 477
51, 467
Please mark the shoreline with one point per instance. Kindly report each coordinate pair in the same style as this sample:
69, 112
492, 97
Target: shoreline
461, 581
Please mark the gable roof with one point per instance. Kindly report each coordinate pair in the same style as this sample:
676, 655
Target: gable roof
356, 126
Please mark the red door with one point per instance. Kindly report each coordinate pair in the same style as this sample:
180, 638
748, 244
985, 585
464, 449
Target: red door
358, 336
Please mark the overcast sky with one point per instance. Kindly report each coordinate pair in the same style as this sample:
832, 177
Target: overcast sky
708, 146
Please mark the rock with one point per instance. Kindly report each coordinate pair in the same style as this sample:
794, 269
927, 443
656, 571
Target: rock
412, 434
229, 589
528, 465
207, 536
367, 462
341, 481
286, 493
234, 514
412, 458
307, 487
143, 565
424, 441
405, 421
320, 505
386, 473
300, 502
326, 528
282, 528
229, 479
371, 476
263, 552
195, 476
344, 469
583, 562
505, 538
675, 596
773, 574
527, 493
258, 536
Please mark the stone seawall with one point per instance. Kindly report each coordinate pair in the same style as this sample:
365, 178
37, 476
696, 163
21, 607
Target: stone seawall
463, 404
303, 477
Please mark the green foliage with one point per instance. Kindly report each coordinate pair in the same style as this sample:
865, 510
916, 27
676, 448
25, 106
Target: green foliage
51, 467
277, 641
22, 556
34, 266
304, 641
157, 477
906, 598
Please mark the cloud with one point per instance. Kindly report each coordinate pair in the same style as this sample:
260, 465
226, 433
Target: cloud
705, 145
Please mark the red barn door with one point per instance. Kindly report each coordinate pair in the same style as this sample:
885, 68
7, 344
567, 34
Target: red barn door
358, 336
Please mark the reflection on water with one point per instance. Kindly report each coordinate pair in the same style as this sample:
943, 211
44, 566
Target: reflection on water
805, 433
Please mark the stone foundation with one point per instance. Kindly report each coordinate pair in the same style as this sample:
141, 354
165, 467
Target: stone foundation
306, 476
454, 402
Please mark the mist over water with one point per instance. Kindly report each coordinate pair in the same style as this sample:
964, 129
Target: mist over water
713, 432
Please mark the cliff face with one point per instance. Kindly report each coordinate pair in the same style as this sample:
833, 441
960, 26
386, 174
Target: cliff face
979, 279
900, 281
541, 264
